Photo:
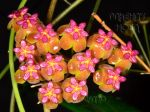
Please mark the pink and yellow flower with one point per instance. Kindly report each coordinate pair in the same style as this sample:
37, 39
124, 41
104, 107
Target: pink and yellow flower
74, 91
82, 65
25, 51
53, 68
47, 40
73, 36
29, 72
123, 57
101, 44
108, 78
28, 27
16, 16
50, 95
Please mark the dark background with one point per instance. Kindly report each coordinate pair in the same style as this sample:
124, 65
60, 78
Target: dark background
135, 91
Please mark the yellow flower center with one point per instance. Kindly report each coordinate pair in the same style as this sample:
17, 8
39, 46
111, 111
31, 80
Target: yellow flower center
76, 88
50, 93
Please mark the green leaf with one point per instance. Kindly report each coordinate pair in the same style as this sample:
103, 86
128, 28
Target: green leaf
102, 104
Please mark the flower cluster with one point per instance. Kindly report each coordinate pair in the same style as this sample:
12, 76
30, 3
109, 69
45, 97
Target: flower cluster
62, 78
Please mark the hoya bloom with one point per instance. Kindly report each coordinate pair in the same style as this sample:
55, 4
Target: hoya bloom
108, 78
25, 51
73, 36
53, 68
123, 57
28, 72
28, 26
16, 16
50, 95
101, 44
82, 65
47, 40
74, 91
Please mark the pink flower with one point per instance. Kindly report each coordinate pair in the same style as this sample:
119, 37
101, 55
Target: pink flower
28, 21
18, 13
114, 78
108, 78
54, 67
74, 91
73, 36
25, 51
102, 44
15, 17
31, 72
50, 95
76, 31
82, 64
47, 40
128, 53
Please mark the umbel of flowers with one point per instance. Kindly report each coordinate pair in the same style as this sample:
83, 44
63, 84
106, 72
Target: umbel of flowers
62, 78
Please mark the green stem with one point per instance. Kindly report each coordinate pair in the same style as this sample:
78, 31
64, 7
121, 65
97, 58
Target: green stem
12, 103
4, 71
51, 10
23, 2
11, 64
146, 39
139, 43
97, 4
137, 71
66, 11
67, 2
12, 71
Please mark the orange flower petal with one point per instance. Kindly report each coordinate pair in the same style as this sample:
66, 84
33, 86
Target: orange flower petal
82, 75
42, 48
79, 44
73, 66
100, 78
54, 46
20, 35
66, 41
62, 28
30, 38
19, 76
58, 76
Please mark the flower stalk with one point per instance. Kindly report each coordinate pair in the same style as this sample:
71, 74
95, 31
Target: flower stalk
51, 10
3, 72
139, 43
12, 103
96, 7
66, 11
146, 39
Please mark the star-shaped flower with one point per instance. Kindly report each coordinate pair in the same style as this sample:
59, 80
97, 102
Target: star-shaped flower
74, 91
102, 44
50, 95
73, 36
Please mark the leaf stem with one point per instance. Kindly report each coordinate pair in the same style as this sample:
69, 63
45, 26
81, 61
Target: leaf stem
139, 43
4, 71
12, 71
51, 10
119, 39
12, 103
146, 39
23, 2
97, 4
66, 11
